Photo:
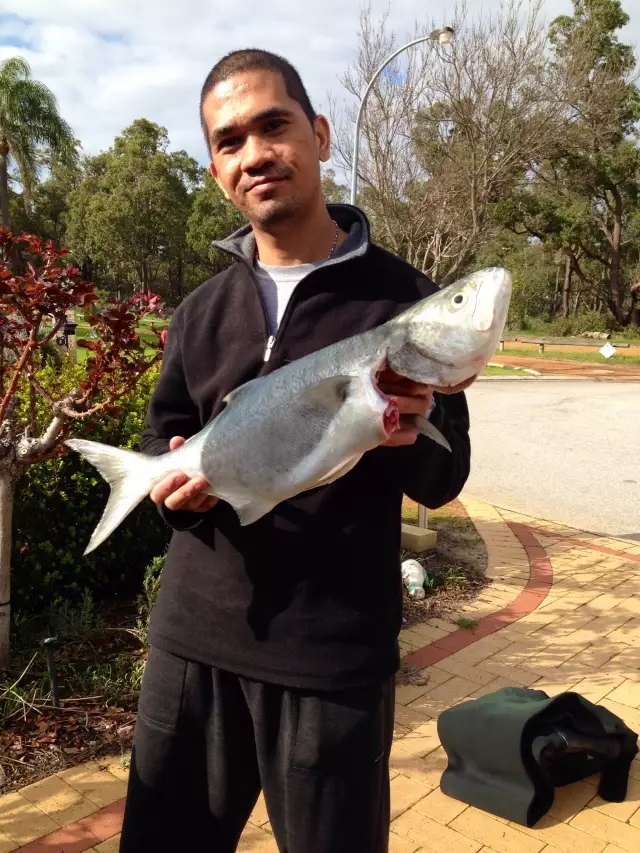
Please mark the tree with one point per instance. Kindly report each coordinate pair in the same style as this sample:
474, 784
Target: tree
128, 216
448, 131
29, 118
535, 275
334, 193
584, 197
212, 218
51, 201
36, 287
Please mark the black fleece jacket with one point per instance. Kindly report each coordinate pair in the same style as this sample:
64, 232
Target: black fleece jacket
310, 596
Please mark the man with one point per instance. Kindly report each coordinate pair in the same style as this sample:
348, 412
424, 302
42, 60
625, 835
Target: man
274, 646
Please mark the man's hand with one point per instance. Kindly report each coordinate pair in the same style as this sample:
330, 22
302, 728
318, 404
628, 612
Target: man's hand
413, 399
177, 491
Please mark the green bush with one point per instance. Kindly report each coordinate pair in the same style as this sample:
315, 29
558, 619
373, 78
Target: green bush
149, 595
586, 321
58, 504
630, 332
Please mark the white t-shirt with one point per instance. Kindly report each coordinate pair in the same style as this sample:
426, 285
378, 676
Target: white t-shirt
277, 285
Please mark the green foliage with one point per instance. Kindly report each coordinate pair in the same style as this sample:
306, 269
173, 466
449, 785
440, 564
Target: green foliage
588, 321
129, 214
334, 193
29, 119
467, 624
59, 502
534, 275
583, 196
212, 218
149, 596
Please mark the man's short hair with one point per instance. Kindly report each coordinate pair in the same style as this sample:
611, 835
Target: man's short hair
253, 59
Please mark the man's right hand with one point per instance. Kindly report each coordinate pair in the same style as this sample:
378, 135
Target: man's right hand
177, 491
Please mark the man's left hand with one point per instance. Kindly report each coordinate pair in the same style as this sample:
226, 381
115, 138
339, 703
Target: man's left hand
413, 398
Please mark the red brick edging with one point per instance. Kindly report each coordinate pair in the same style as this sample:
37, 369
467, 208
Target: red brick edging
534, 593
584, 543
80, 836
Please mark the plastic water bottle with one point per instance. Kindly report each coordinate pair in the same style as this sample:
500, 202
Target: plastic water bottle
414, 577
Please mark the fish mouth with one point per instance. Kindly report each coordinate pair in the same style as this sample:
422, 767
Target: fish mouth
391, 418
391, 415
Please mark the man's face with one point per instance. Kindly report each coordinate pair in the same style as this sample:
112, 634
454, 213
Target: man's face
264, 151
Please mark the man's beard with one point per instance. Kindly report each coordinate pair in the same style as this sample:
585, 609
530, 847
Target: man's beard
275, 211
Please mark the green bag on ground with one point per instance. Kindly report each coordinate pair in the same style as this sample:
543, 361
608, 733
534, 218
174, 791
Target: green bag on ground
507, 751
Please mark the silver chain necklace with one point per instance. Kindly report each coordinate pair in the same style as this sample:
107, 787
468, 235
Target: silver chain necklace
335, 239
333, 248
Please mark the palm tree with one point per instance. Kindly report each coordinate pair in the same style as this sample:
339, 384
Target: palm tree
29, 119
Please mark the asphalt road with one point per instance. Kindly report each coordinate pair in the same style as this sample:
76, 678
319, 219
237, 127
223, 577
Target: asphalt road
564, 451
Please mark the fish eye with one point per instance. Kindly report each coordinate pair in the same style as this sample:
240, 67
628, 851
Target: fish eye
459, 299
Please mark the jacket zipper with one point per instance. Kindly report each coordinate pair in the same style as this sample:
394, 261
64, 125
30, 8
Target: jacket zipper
275, 339
267, 351
272, 340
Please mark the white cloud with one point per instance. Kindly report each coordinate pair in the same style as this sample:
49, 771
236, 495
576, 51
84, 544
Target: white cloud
111, 61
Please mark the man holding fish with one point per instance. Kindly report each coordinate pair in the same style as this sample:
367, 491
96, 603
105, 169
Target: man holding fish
274, 640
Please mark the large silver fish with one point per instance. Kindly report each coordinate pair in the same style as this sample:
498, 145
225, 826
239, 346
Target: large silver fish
310, 421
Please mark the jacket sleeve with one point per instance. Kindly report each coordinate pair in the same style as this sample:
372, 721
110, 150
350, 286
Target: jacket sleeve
172, 412
424, 471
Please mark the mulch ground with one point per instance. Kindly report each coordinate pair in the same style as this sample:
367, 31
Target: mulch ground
607, 371
457, 566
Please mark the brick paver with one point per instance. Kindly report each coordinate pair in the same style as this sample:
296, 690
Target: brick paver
562, 613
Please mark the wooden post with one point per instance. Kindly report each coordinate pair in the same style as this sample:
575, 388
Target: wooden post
72, 341
501, 346
418, 537
540, 347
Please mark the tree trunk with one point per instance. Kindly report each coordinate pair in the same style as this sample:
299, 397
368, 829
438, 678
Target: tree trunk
566, 290
577, 302
7, 484
616, 241
4, 182
554, 304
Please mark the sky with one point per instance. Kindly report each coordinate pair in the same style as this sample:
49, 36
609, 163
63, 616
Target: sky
112, 61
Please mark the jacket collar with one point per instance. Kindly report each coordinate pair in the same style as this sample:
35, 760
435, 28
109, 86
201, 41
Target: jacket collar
242, 243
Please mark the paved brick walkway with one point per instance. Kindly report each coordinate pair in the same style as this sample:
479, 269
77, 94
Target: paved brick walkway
562, 613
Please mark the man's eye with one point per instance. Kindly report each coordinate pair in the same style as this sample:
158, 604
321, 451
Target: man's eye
230, 142
274, 124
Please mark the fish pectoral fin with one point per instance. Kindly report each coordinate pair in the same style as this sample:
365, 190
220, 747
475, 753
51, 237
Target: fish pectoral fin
338, 471
425, 427
330, 394
250, 510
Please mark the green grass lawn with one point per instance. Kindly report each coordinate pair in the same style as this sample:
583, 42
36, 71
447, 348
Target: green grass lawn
84, 331
595, 356
503, 371
540, 329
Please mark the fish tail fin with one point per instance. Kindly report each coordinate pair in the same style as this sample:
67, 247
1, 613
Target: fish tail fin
130, 475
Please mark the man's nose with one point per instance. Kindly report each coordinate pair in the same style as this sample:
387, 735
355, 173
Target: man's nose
257, 153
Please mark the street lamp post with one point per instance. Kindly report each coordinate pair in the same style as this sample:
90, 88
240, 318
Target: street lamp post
420, 537
443, 36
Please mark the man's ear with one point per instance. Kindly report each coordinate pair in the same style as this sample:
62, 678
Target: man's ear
323, 137
214, 174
